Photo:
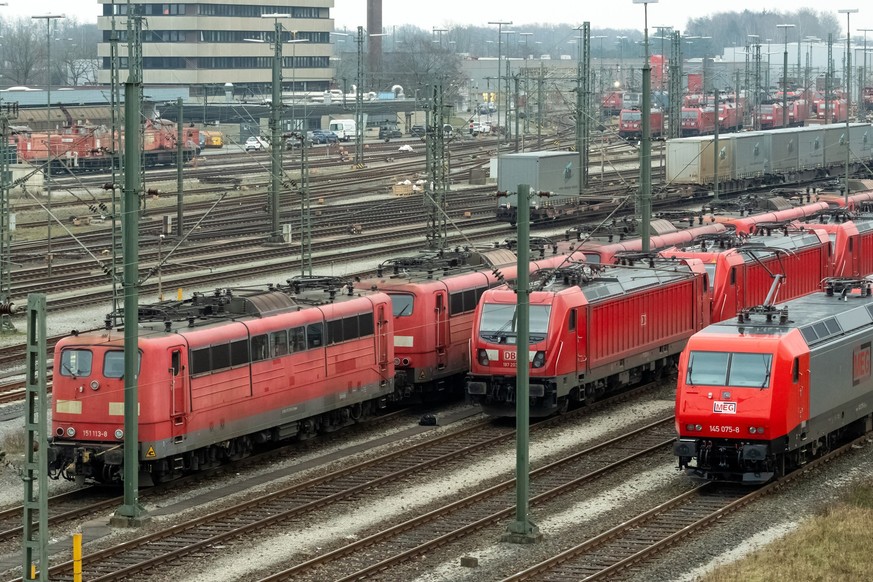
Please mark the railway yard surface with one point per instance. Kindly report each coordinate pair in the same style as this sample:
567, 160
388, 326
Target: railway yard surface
315, 510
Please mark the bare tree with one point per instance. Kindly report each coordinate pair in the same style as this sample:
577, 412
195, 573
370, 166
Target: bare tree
23, 52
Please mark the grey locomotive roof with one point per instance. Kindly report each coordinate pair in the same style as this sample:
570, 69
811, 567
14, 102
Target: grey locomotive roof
818, 317
611, 281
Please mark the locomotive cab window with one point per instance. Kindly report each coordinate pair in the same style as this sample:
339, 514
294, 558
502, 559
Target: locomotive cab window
260, 348
739, 370
297, 338
113, 364
499, 323
401, 304
314, 333
76, 363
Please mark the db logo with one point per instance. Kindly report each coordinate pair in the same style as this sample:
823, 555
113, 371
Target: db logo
510, 356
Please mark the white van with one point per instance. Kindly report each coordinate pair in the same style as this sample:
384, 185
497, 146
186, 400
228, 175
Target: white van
343, 128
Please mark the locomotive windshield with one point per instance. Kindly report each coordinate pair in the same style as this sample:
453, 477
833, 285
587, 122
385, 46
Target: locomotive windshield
76, 362
402, 304
631, 116
729, 369
499, 322
113, 364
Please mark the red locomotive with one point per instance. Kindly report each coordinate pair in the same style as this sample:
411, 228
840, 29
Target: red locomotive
220, 374
770, 116
630, 124
741, 269
749, 224
612, 102
87, 147
433, 298
593, 328
663, 237
697, 121
763, 394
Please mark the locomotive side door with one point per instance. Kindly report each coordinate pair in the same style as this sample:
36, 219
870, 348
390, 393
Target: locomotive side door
855, 253
581, 341
381, 339
441, 313
177, 372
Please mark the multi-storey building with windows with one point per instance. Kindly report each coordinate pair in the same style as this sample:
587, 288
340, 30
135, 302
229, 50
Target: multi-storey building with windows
203, 44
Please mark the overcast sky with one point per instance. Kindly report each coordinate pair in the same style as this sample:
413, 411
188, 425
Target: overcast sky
445, 13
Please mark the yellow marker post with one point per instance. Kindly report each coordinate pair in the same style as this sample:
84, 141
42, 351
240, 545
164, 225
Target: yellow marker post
179, 294
77, 557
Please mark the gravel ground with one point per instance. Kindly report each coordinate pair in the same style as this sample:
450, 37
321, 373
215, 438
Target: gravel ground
594, 509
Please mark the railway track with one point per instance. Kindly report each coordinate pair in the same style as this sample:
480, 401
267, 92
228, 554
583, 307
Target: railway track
425, 533
610, 554
129, 559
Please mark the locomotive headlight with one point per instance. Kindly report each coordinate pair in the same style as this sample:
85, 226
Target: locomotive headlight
119, 433
689, 427
71, 432
752, 430
94, 384
539, 360
698, 427
482, 357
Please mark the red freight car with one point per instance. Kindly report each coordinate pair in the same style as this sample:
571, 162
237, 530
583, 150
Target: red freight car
592, 329
761, 395
234, 371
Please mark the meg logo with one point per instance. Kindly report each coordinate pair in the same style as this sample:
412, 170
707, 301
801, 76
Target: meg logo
724, 407
861, 364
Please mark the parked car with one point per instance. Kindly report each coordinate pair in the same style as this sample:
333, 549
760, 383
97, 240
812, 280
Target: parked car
417, 131
322, 136
255, 144
389, 132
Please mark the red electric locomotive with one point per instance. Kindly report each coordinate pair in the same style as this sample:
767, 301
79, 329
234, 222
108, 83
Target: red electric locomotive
697, 121
749, 224
664, 235
86, 148
742, 270
853, 247
771, 116
434, 296
765, 393
220, 374
593, 329
630, 124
